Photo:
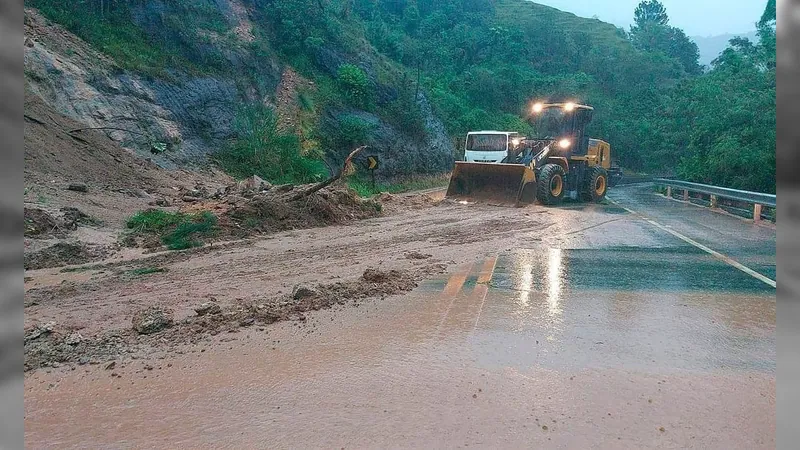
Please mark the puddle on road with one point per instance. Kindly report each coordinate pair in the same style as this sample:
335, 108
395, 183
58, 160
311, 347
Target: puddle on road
626, 307
677, 269
468, 359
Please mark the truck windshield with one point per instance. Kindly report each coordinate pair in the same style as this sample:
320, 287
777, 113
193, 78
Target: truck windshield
487, 143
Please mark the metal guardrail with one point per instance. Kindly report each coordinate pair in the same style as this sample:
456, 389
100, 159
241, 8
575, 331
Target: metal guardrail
757, 199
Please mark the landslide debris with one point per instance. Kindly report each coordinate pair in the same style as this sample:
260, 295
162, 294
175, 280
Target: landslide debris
47, 345
249, 208
64, 253
393, 203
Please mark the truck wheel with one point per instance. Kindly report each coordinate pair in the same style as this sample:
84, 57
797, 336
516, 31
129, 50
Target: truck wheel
551, 184
596, 185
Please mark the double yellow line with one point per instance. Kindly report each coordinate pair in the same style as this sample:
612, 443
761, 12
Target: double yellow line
456, 283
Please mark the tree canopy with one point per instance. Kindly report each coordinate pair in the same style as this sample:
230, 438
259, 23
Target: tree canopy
650, 12
479, 64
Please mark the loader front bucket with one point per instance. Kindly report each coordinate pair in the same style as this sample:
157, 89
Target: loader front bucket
501, 184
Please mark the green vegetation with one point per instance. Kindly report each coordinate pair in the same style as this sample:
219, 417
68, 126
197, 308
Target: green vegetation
154, 221
355, 86
262, 150
485, 61
177, 231
480, 64
719, 128
186, 234
109, 27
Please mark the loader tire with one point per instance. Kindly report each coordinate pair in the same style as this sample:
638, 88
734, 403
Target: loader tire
596, 185
551, 184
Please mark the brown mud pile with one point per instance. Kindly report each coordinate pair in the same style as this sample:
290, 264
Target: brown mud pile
48, 345
64, 253
394, 203
269, 213
40, 223
244, 211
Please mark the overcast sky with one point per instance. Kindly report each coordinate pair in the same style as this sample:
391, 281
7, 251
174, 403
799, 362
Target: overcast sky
696, 17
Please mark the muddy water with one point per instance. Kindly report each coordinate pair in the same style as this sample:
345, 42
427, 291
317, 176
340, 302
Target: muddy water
613, 348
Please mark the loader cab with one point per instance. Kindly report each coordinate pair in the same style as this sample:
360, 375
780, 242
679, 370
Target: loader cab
490, 146
562, 124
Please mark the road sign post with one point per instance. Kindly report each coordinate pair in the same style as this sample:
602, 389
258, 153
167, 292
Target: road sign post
372, 165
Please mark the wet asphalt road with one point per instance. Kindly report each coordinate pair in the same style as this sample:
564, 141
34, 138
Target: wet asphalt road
617, 335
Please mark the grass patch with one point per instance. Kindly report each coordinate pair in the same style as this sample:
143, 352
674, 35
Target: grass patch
187, 233
260, 149
154, 220
145, 271
364, 188
177, 231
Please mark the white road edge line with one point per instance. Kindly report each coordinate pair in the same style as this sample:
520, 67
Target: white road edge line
716, 254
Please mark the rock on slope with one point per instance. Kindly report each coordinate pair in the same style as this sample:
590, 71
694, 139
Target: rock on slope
192, 115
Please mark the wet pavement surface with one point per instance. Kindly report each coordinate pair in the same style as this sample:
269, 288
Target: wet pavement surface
616, 336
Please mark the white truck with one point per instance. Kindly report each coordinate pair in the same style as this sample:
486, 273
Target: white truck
490, 146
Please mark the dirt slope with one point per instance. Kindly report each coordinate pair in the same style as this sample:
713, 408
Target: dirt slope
72, 226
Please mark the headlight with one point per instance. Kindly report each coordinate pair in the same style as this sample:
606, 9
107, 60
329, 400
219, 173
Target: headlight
515, 142
537, 108
564, 143
569, 106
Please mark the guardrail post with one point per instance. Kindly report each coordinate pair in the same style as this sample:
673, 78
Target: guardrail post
758, 200
757, 212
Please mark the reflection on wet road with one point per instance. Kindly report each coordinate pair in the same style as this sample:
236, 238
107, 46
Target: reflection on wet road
585, 347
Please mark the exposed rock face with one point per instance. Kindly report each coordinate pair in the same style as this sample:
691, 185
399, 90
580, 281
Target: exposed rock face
176, 119
399, 153
191, 115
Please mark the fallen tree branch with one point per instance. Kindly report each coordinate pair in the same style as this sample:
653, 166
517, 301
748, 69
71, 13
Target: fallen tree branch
329, 181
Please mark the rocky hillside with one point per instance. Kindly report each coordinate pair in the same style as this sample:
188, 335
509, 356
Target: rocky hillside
181, 97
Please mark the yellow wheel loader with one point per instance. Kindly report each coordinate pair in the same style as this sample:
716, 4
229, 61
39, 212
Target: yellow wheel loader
560, 161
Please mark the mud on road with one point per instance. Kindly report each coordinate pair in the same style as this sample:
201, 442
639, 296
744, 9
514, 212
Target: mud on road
86, 314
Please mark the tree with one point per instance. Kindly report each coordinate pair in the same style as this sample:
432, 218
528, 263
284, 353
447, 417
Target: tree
671, 41
653, 34
770, 15
650, 12
766, 34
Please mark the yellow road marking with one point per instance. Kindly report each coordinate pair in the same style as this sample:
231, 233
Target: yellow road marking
482, 289
454, 285
487, 270
726, 259
455, 282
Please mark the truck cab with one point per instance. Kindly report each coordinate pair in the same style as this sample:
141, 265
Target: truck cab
490, 146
